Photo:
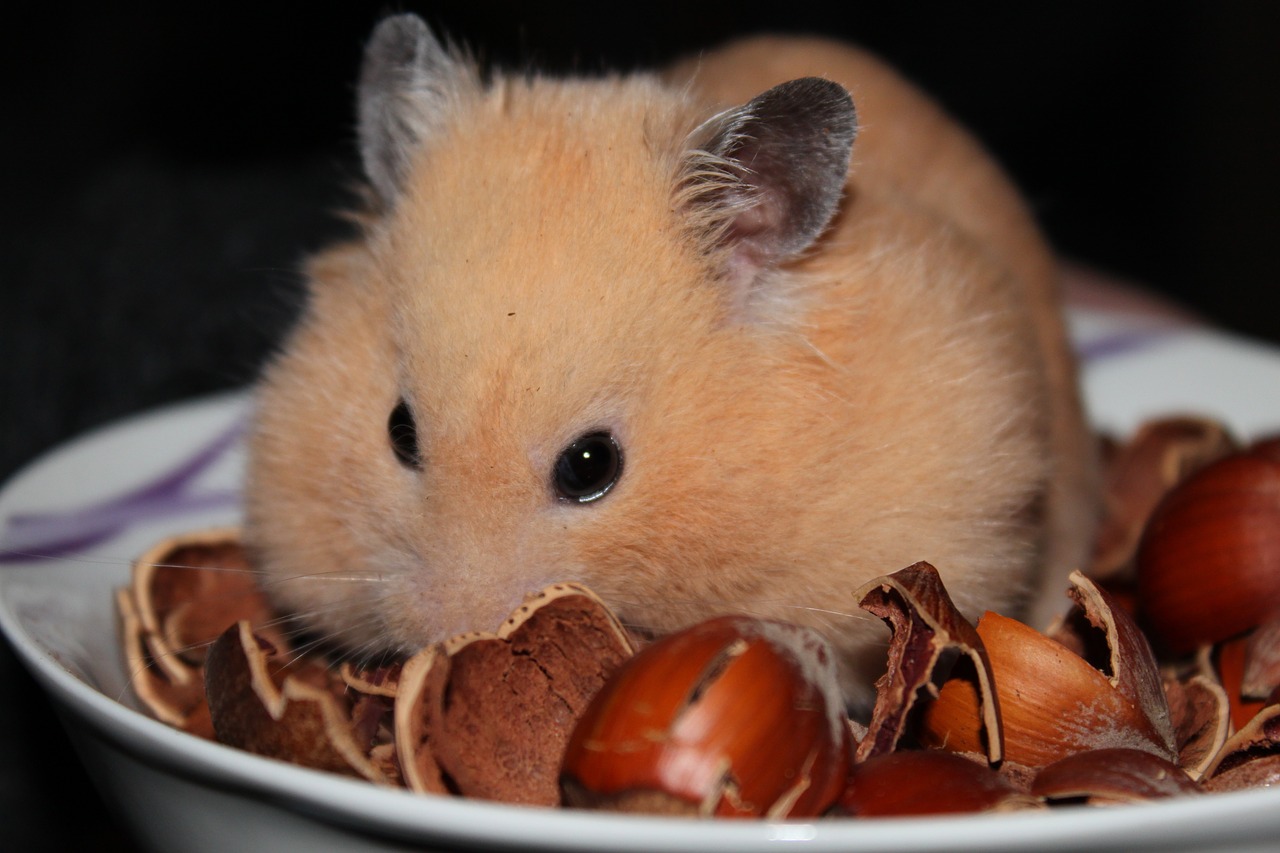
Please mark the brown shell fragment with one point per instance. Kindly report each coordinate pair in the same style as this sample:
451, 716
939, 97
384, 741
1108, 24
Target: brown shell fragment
1122, 653
183, 593
1201, 716
1095, 686
928, 635
190, 588
1261, 676
495, 711
928, 782
732, 717
418, 711
174, 694
1110, 777
288, 708
1251, 758
1138, 472
381, 680
1259, 772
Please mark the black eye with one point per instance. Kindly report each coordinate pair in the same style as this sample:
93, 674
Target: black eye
404, 436
588, 468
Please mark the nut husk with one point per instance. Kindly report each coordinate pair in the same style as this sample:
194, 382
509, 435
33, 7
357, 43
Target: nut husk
487, 715
289, 707
928, 635
183, 593
1251, 758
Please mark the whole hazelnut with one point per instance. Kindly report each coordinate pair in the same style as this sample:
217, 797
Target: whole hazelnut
1209, 560
730, 717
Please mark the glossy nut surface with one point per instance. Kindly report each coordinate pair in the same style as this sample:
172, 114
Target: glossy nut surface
1209, 561
731, 717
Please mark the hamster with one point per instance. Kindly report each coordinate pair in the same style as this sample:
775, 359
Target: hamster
736, 337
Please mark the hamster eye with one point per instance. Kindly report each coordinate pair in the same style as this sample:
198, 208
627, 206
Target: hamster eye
588, 468
404, 436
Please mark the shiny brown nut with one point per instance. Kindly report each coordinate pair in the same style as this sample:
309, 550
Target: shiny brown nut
927, 782
1112, 776
1055, 703
1209, 560
730, 717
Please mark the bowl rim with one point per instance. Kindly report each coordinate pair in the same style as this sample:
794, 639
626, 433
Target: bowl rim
1220, 818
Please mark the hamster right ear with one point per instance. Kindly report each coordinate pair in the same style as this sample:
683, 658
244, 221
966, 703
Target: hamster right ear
764, 179
407, 82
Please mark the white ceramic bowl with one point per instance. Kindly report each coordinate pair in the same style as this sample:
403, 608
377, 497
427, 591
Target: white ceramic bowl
82, 512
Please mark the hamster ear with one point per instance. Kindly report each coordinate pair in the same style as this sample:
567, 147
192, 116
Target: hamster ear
765, 178
407, 81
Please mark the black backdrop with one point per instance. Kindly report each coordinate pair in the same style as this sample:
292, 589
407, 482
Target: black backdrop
164, 169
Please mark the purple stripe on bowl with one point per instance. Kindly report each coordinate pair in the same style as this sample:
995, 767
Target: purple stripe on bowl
1119, 343
66, 532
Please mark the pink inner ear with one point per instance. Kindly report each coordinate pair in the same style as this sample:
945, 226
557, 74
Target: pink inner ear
751, 237
767, 178
753, 226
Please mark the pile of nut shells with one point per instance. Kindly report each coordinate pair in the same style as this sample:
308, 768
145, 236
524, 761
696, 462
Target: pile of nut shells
1162, 680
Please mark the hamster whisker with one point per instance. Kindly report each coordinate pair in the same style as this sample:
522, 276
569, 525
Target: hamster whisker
843, 614
336, 576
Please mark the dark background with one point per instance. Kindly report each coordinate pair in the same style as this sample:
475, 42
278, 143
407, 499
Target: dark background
165, 169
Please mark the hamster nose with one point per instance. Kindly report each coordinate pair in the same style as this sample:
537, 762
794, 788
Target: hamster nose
474, 593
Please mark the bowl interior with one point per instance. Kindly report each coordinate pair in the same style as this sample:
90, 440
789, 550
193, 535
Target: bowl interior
71, 523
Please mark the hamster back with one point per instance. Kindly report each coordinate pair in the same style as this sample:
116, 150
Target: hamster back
658, 336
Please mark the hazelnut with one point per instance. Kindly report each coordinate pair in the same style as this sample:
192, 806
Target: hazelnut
1209, 560
927, 783
1053, 702
730, 717
1110, 776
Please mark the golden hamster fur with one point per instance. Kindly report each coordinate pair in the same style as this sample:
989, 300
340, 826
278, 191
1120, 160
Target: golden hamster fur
721, 339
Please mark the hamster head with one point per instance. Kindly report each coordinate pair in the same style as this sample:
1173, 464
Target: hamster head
588, 336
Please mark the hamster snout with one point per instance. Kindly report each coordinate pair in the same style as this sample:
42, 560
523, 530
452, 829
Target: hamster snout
657, 335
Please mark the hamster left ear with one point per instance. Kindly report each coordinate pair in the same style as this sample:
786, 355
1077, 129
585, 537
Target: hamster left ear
765, 178
408, 80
